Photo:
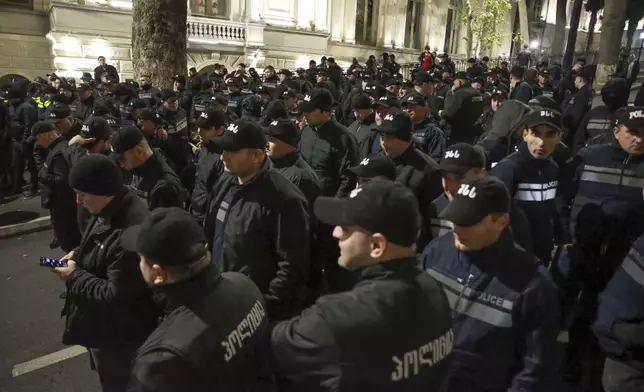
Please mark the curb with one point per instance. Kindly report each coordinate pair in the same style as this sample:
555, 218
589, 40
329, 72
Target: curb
38, 224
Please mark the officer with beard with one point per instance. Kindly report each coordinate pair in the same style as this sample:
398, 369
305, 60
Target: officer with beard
430, 138
598, 122
151, 95
211, 124
178, 149
151, 125
154, 180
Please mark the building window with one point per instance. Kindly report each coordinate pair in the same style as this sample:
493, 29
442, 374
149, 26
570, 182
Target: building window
208, 7
365, 20
22, 3
413, 23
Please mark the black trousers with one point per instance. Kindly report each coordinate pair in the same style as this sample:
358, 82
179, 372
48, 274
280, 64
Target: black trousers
113, 365
23, 154
65, 226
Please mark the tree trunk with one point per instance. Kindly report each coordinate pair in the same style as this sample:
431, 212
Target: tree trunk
630, 33
611, 39
575, 16
159, 40
557, 46
591, 32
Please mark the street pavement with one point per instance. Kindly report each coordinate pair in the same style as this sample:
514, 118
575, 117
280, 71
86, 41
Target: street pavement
30, 323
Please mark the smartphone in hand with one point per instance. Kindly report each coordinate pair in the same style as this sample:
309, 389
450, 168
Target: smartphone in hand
52, 263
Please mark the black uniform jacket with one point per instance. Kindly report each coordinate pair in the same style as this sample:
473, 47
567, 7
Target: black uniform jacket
391, 332
266, 235
330, 150
209, 340
107, 301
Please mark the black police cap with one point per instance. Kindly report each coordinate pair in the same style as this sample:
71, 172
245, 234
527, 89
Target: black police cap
240, 135
375, 165
461, 158
476, 199
168, 237
383, 207
284, 130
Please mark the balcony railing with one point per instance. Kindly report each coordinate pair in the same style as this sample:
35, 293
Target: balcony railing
212, 30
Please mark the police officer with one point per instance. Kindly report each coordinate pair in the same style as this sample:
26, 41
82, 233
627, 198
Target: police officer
22, 117
250, 195
154, 180
462, 110
598, 122
576, 107
105, 70
326, 145
150, 94
374, 167
211, 317
152, 127
184, 95
504, 304
519, 89
235, 96
408, 346
430, 138
56, 194
86, 102
414, 169
545, 84
463, 161
532, 177
363, 128
108, 307
61, 116
270, 78
177, 149
605, 220
283, 139
619, 326
211, 124
202, 100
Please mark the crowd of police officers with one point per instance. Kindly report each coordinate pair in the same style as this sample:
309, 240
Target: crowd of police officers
342, 230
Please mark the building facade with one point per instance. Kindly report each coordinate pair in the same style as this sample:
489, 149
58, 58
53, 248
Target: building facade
66, 36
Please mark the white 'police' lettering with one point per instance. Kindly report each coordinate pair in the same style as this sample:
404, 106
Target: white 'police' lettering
233, 128
355, 192
244, 330
545, 113
452, 154
635, 114
307, 98
409, 364
274, 123
389, 117
204, 115
468, 191
383, 98
364, 162
85, 128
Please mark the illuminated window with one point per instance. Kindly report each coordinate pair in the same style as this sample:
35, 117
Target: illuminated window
208, 7
413, 23
365, 21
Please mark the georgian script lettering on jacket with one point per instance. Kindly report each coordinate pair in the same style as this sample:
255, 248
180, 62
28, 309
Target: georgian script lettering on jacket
408, 364
244, 330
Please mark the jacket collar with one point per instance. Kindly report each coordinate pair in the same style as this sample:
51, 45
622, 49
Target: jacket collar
389, 269
114, 206
323, 127
172, 296
285, 161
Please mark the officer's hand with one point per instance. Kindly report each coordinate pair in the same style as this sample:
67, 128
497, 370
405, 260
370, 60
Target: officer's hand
78, 139
64, 272
68, 256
